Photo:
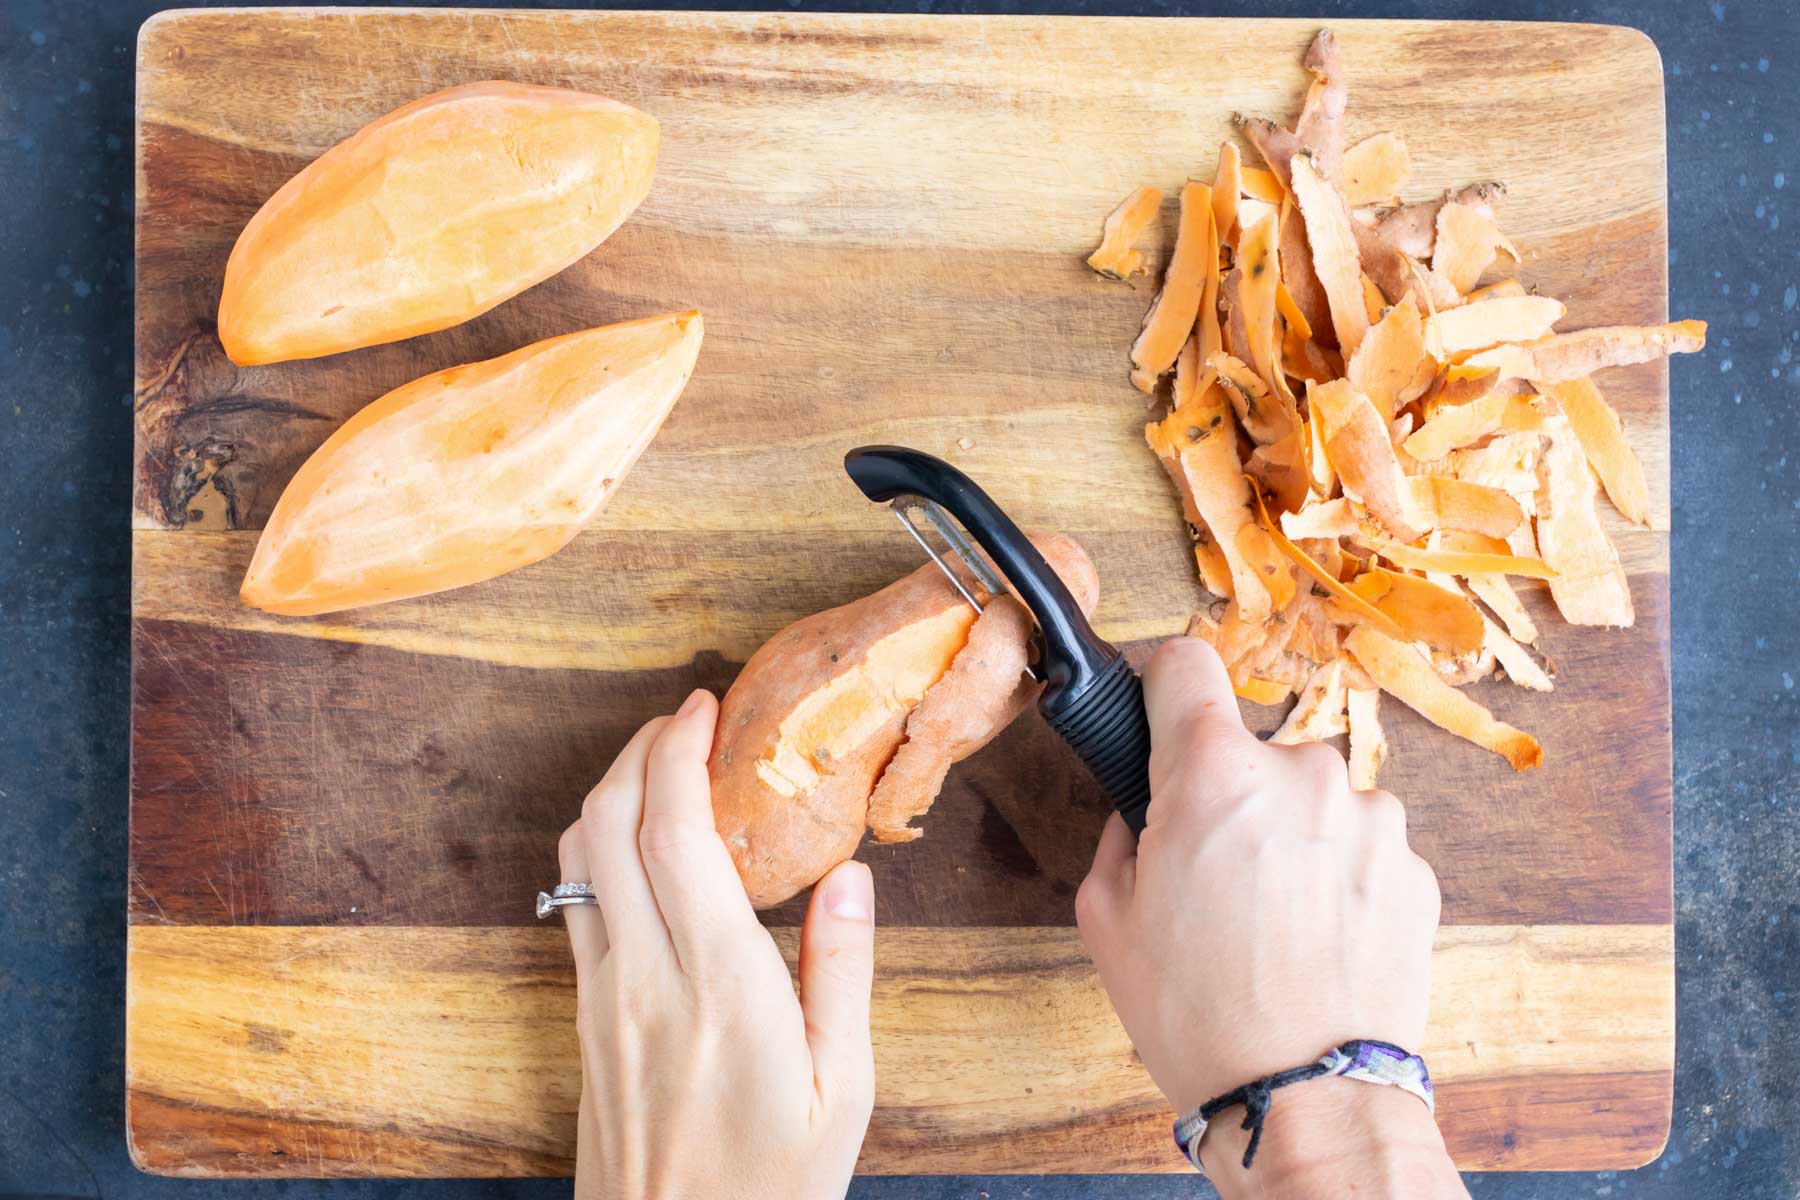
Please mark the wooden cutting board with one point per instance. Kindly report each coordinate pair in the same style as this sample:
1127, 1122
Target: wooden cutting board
338, 824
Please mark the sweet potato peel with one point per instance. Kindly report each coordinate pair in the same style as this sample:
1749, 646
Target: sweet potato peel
1228, 185
1566, 356
1115, 257
1485, 323
1259, 271
1412, 228
1438, 502
1320, 128
1457, 425
1320, 712
1425, 612
1200, 441
1452, 562
1264, 418
1356, 440
1602, 436
1375, 423
1590, 587
1468, 241
1368, 742
1171, 316
1334, 253
1375, 169
1324, 578
1262, 691
1399, 670
981, 693
1391, 367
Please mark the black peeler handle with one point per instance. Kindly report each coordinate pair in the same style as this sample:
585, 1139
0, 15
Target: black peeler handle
1091, 696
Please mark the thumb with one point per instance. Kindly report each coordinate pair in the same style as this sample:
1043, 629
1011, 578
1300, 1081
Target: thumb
837, 967
1187, 692
1197, 735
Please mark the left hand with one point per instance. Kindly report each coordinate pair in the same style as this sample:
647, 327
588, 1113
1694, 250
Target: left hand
702, 1075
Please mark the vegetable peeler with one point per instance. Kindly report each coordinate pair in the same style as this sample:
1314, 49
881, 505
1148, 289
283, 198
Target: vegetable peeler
1091, 698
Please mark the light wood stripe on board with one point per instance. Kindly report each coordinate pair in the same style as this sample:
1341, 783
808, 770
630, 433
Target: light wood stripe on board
279, 1050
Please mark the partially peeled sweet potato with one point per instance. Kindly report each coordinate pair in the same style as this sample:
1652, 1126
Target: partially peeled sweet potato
850, 718
432, 215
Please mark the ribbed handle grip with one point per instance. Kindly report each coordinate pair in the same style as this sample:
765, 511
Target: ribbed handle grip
1109, 729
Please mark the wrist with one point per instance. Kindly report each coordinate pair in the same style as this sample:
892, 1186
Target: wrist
1334, 1137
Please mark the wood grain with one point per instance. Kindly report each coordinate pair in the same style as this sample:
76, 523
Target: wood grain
884, 220
310, 1050
264, 793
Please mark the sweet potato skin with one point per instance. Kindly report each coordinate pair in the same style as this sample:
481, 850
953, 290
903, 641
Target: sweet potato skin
783, 844
431, 215
984, 690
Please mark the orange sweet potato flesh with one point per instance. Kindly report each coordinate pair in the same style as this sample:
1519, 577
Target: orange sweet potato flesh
826, 707
432, 215
471, 472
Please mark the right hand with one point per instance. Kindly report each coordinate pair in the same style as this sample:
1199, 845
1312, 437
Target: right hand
1267, 914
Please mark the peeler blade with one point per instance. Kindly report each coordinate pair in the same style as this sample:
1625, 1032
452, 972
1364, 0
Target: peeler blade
908, 508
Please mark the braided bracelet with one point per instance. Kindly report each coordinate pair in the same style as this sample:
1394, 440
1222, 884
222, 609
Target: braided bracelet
1369, 1061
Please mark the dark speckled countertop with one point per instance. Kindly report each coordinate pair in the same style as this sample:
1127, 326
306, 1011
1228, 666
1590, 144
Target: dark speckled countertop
65, 358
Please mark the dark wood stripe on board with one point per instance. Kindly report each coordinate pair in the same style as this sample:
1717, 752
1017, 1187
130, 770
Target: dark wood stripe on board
283, 779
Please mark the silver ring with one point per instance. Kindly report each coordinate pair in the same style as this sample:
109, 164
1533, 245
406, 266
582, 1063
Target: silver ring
564, 895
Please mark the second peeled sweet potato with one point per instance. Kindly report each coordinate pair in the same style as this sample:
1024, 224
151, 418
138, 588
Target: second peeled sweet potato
850, 719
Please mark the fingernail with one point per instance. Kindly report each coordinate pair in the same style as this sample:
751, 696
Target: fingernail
850, 893
692, 703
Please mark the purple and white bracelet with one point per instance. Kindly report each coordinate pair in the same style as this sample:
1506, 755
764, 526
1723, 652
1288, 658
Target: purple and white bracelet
1369, 1061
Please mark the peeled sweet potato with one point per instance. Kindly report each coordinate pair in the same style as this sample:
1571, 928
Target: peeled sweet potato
828, 707
432, 215
471, 472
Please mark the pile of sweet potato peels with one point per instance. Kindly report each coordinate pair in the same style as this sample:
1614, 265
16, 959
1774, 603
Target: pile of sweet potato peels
1368, 443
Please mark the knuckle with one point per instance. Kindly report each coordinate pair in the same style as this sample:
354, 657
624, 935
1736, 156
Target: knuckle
1428, 880
716, 1004
604, 799
669, 750
1322, 768
1388, 812
666, 840
569, 846
1090, 903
